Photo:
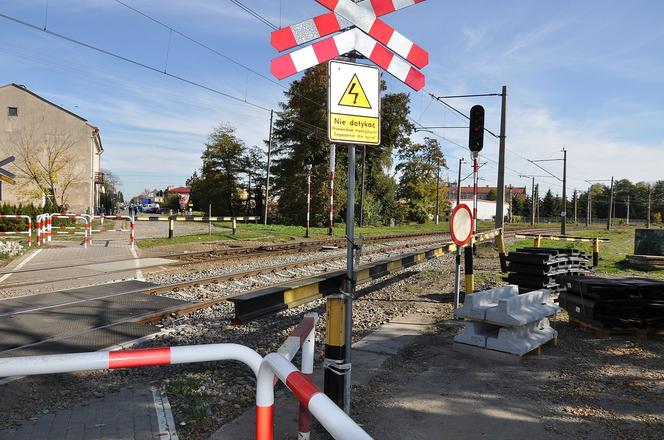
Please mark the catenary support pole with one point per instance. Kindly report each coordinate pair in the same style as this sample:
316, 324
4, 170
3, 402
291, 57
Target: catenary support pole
308, 166
333, 150
608, 220
649, 202
590, 206
500, 186
627, 215
563, 214
537, 202
267, 174
438, 191
576, 200
532, 202
511, 202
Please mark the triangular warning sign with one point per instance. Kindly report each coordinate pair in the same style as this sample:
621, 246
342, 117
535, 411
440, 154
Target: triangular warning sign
354, 95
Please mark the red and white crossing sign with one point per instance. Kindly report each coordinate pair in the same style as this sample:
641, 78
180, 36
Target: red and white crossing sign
360, 30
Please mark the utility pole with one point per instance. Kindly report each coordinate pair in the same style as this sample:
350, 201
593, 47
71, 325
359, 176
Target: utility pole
627, 220
511, 214
267, 177
589, 214
563, 214
308, 167
537, 202
333, 150
500, 187
364, 164
532, 200
438, 192
608, 221
649, 201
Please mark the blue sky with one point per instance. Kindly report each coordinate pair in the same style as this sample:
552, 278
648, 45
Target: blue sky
588, 76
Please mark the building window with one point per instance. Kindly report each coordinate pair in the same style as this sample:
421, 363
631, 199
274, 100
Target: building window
12, 111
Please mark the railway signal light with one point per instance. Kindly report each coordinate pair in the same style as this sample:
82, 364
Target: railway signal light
476, 136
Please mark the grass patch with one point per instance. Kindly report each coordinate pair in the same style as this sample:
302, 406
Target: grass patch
282, 233
612, 254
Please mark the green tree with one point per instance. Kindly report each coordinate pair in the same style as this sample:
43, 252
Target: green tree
419, 166
548, 206
109, 196
219, 181
298, 139
491, 195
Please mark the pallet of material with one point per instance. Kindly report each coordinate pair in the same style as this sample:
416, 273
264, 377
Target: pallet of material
646, 262
537, 268
614, 304
603, 332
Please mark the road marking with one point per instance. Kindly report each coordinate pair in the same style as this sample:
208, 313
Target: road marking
21, 264
139, 272
165, 421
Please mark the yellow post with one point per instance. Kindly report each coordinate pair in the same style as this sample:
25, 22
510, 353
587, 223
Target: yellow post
500, 244
335, 349
595, 252
538, 241
468, 268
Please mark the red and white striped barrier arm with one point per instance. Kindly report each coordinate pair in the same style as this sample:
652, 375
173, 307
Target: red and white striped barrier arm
379, 30
102, 360
303, 336
328, 414
352, 39
20, 217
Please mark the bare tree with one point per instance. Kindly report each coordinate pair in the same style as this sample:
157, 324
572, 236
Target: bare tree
46, 162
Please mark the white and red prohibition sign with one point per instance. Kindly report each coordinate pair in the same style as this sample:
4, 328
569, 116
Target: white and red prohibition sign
461, 225
360, 30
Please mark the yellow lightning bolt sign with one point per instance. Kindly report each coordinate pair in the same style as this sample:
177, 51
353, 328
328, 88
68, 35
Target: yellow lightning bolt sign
354, 95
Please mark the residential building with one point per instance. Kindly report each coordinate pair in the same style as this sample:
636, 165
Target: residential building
52, 145
483, 191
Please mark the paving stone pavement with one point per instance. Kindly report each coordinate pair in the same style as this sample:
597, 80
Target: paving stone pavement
128, 414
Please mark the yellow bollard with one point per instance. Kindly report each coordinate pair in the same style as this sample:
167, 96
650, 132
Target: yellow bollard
335, 349
595, 252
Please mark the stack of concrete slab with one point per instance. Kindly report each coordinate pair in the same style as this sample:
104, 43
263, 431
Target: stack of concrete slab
615, 302
537, 268
502, 320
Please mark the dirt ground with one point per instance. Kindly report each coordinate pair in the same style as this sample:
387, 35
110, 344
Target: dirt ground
585, 387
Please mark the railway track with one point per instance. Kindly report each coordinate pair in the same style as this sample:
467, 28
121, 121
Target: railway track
274, 276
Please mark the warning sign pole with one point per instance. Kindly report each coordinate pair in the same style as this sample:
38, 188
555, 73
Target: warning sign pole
353, 119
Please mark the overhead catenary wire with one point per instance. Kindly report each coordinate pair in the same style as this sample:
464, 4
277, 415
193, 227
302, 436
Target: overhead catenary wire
153, 69
314, 128
255, 14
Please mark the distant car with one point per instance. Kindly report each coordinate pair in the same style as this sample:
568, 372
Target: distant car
152, 208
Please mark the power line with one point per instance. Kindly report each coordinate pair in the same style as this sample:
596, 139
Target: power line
153, 69
254, 14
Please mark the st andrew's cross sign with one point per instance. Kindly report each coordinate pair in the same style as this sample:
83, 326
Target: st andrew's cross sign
360, 30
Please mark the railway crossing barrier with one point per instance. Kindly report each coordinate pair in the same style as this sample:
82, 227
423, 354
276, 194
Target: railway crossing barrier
130, 219
71, 230
292, 294
330, 416
171, 219
537, 242
19, 217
